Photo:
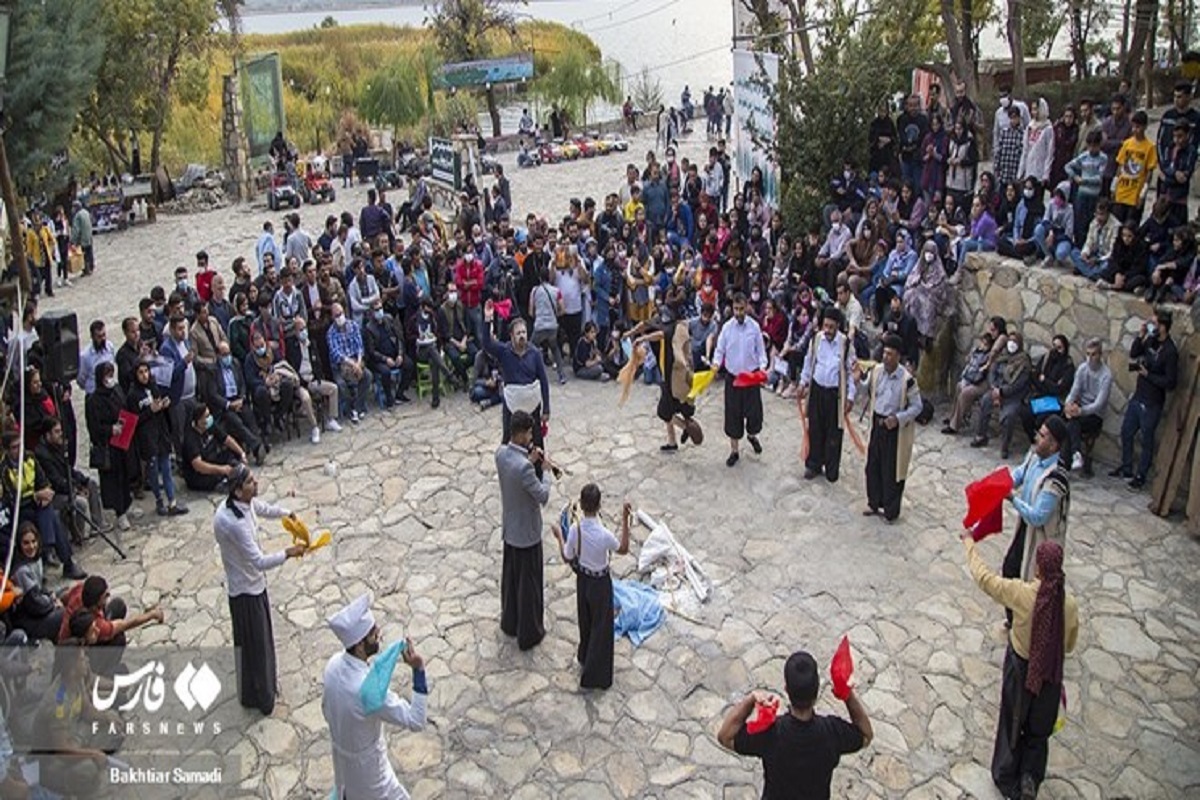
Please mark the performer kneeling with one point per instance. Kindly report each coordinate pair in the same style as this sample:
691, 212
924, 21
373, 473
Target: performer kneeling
586, 549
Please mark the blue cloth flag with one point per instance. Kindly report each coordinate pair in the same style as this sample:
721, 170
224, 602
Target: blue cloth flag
374, 689
637, 611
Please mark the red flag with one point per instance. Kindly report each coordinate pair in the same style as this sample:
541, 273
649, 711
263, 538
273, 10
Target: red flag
841, 669
764, 716
986, 495
745, 380
992, 523
503, 308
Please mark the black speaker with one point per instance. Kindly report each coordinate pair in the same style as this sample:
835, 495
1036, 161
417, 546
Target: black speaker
58, 337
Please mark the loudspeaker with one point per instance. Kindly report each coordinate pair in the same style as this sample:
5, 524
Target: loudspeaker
58, 337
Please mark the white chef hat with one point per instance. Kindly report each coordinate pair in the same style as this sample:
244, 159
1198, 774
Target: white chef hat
352, 624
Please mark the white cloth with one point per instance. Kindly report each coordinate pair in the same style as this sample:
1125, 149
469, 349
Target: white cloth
591, 542
352, 624
360, 756
740, 347
243, 559
522, 397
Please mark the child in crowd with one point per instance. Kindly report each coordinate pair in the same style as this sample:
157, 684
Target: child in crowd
586, 548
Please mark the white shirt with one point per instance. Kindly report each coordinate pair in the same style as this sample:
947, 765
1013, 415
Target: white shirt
740, 347
853, 312
244, 560
826, 373
591, 542
360, 755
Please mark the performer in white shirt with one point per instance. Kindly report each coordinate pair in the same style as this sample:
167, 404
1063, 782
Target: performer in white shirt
360, 754
740, 350
827, 385
236, 529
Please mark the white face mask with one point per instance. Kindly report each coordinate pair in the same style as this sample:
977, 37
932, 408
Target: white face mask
1012, 347
110, 382
1029, 194
1152, 330
452, 297
1004, 102
340, 320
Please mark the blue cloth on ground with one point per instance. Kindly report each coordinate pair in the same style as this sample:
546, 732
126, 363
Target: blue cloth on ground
374, 689
1045, 405
637, 610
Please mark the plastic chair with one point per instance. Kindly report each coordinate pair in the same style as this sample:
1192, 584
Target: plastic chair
425, 381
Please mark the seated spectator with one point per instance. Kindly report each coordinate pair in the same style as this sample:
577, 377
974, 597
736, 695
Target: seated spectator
898, 322
28, 490
1009, 382
37, 610
209, 453
831, 258
910, 212
152, 441
275, 388
703, 330
111, 620
384, 345
74, 492
1051, 381
1085, 406
460, 343
891, 280
324, 392
426, 332
239, 328
586, 359
487, 385
347, 358
927, 294
1018, 241
1091, 260
1052, 235
972, 385
69, 764
1128, 266
223, 389
1155, 232
1175, 277
204, 335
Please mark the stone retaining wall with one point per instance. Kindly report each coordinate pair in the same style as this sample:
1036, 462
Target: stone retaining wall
1043, 302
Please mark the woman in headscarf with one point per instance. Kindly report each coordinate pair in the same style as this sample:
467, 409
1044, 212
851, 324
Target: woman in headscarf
40, 413
1066, 137
1045, 626
927, 293
102, 411
961, 159
933, 149
892, 279
1037, 153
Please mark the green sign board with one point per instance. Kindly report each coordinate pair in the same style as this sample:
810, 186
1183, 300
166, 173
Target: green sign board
445, 163
262, 101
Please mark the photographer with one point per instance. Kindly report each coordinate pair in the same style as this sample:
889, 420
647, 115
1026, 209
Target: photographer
1155, 359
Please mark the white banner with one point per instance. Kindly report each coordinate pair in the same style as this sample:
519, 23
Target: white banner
753, 89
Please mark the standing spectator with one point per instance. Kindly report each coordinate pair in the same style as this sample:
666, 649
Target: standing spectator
152, 439
267, 246
103, 411
1157, 361
881, 140
1006, 149
1136, 162
81, 235
1066, 136
1180, 113
1037, 148
100, 352
911, 126
469, 278
934, 147
1177, 165
62, 237
1004, 116
1088, 122
1086, 173
961, 161
1115, 128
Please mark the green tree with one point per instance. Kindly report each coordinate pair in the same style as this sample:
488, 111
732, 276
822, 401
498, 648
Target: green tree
149, 45
647, 92
52, 67
329, 22
393, 96
464, 30
574, 81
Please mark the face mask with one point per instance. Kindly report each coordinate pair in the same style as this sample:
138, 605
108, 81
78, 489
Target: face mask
208, 423
340, 320
1004, 101
260, 351
478, 240
929, 258
181, 284
1012, 348
110, 381
1152, 330
1029, 194
226, 361
754, 295
303, 337
452, 297
379, 314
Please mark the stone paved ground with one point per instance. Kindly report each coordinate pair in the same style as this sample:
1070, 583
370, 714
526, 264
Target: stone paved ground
414, 511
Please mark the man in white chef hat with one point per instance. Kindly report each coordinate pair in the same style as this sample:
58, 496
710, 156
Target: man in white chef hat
357, 703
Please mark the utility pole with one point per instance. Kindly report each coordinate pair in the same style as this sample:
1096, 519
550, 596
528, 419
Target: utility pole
6, 185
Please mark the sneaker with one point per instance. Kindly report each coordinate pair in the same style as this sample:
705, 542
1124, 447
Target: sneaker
136, 512
353, 416
123, 522
1077, 462
315, 436
333, 426
177, 510
58, 282
160, 509
73, 572
67, 283
562, 380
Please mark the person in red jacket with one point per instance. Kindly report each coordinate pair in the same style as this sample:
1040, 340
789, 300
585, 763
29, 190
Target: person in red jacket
468, 277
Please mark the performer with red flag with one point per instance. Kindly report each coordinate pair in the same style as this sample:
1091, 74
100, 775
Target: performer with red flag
799, 749
740, 350
827, 384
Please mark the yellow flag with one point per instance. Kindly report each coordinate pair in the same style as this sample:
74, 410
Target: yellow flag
700, 382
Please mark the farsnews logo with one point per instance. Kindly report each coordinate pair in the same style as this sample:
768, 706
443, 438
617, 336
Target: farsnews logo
193, 687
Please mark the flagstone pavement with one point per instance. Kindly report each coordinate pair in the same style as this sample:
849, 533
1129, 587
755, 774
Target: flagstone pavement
414, 509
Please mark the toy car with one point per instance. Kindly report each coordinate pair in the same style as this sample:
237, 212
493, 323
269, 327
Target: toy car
317, 188
283, 191
587, 148
549, 153
616, 141
570, 150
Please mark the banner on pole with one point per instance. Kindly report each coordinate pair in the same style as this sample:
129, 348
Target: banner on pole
262, 101
755, 76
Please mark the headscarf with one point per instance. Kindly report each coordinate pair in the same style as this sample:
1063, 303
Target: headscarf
1046, 632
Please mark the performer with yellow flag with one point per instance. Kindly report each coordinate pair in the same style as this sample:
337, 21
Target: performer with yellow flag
676, 406
893, 402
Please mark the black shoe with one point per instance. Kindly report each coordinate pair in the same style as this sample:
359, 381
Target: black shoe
810, 473
160, 509
259, 455
437, 401
403, 398
683, 438
753, 440
733, 459
870, 512
949, 431
73, 572
979, 441
1137, 483
668, 448
177, 510
1029, 789
1088, 472
1120, 472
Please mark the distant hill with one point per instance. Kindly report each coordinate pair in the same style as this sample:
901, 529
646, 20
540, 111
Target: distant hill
252, 7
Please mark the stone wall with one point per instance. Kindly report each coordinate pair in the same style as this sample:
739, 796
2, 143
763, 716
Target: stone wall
1043, 302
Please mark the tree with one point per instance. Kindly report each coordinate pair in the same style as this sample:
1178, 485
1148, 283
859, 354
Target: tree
328, 22
574, 81
964, 21
1144, 14
52, 68
1016, 45
1085, 19
1040, 24
393, 96
463, 30
647, 91
149, 45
